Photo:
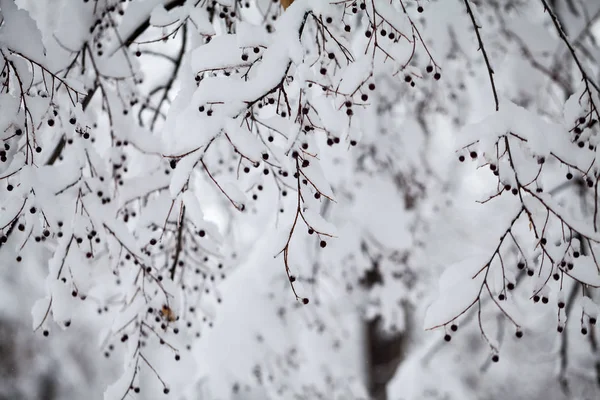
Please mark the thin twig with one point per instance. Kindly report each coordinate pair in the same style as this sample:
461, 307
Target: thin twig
485, 56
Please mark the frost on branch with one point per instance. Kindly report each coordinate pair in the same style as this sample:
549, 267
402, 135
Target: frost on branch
150, 146
270, 97
132, 176
548, 250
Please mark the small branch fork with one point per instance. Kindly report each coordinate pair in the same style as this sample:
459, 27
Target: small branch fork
574, 241
311, 230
